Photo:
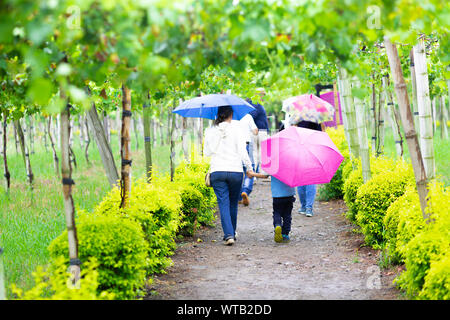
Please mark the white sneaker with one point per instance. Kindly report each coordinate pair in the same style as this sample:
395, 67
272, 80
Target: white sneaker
229, 242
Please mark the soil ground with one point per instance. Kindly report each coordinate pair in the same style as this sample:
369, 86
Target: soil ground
325, 259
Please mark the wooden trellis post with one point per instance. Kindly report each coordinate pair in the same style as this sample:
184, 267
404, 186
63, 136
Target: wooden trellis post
424, 107
5, 159
408, 123
125, 148
2, 277
443, 118
394, 119
350, 115
362, 134
147, 140
69, 207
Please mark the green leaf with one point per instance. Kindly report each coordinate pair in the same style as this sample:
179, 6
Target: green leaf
40, 91
359, 93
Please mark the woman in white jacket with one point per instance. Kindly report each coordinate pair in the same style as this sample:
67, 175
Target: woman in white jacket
225, 144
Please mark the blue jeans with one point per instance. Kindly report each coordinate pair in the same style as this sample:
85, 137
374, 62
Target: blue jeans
307, 194
247, 185
227, 186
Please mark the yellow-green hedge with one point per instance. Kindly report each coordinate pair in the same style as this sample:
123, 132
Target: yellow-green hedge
387, 209
375, 196
426, 255
403, 220
131, 244
354, 180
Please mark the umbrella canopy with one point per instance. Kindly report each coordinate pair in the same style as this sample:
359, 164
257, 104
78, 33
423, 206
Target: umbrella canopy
300, 156
308, 107
207, 106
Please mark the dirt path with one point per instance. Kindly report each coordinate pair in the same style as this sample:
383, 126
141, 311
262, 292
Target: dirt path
324, 260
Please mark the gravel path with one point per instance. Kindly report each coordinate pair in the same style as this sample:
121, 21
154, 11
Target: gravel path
324, 259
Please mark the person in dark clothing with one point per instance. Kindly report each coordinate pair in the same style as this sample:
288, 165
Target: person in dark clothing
260, 117
283, 201
310, 125
307, 194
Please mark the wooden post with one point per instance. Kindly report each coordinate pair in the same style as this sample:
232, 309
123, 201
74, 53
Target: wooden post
16, 137
380, 119
147, 140
344, 116
443, 118
336, 105
185, 137
374, 118
408, 123
1, 135
350, 114
125, 149
362, 134
43, 128
5, 157
87, 140
434, 115
136, 132
2, 277
52, 143
81, 128
171, 116
394, 119
69, 208
104, 148
424, 106
26, 156
106, 126
414, 90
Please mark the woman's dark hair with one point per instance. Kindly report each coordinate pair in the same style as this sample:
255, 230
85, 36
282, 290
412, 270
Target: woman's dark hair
223, 114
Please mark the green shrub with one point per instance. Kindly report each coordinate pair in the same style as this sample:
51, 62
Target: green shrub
374, 198
403, 220
421, 251
348, 168
429, 248
351, 186
192, 208
354, 180
54, 284
194, 175
156, 207
119, 247
437, 280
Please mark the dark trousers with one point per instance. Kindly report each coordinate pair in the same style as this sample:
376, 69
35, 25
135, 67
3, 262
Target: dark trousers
282, 213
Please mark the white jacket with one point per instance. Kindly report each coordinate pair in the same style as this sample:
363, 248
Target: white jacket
226, 146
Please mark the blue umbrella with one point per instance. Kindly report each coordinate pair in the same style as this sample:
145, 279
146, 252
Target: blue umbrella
207, 106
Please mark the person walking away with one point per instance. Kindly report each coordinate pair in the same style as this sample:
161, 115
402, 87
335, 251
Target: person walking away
283, 198
249, 130
260, 117
227, 149
307, 194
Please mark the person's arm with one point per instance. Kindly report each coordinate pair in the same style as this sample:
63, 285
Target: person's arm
258, 175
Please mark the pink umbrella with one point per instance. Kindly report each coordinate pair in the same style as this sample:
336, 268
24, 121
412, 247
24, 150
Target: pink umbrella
308, 107
300, 156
